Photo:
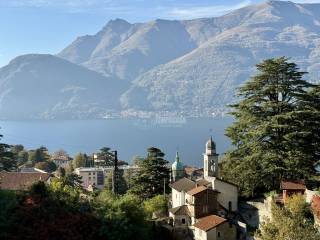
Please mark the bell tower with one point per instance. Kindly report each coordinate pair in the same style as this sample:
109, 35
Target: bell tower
210, 160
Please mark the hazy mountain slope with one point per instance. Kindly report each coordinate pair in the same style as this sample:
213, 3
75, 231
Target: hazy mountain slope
127, 50
205, 78
43, 86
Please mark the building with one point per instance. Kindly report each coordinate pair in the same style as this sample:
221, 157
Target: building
213, 227
91, 177
18, 181
291, 187
61, 159
177, 169
179, 189
210, 168
203, 205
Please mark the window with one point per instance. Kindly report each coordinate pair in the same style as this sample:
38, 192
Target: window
94, 173
89, 178
183, 221
219, 234
89, 173
230, 206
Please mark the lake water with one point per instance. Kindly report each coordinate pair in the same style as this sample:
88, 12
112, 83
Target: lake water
129, 137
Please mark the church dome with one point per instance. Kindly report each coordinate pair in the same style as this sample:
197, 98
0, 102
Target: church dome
177, 165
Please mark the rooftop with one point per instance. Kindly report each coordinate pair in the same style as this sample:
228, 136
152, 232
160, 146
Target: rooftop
21, 181
293, 185
181, 210
184, 184
197, 190
209, 222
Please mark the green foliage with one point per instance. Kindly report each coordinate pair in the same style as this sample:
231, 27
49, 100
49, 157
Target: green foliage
123, 216
80, 160
156, 204
293, 221
7, 161
38, 155
47, 166
271, 131
8, 202
152, 175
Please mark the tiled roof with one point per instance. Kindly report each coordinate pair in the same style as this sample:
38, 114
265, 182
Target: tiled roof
181, 210
202, 182
184, 184
209, 222
293, 185
191, 170
315, 205
20, 181
197, 190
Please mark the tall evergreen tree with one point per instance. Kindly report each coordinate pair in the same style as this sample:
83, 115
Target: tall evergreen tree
152, 175
7, 160
269, 128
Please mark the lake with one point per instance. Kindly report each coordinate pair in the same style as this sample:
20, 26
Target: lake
129, 137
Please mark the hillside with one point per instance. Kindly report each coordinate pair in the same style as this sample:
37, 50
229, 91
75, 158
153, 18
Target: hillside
43, 86
192, 67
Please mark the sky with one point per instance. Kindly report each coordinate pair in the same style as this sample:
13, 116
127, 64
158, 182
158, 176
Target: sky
47, 26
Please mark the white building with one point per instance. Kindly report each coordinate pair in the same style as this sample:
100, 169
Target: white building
61, 159
91, 177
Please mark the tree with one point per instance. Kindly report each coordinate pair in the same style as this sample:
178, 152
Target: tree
106, 155
22, 157
119, 211
153, 173
7, 160
80, 160
267, 132
47, 166
108, 158
38, 155
156, 204
293, 221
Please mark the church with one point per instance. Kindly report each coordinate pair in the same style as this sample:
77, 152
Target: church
202, 206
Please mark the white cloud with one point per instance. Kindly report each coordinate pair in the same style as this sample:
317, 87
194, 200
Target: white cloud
204, 11
306, 1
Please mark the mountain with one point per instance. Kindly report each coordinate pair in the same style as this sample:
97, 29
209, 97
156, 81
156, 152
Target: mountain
189, 67
194, 66
44, 86
206, 78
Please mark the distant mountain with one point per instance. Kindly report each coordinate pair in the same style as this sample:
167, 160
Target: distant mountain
191, 67
195, 65
44, 86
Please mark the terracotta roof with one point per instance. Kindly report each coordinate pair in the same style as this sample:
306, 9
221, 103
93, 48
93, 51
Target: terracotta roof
197, 190
209, 222
202, 182
293, 185
315, 205
20, 181
184, 184
181, 210
191, 170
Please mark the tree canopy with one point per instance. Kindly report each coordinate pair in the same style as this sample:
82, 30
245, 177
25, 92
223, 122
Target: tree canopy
275, 122
152, 176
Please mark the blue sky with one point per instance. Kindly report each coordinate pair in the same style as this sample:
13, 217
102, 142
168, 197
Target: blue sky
47, 26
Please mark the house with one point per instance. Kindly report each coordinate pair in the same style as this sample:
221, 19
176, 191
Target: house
61, 159
203, 200
18, 181
91, 177
179, 189
213, 227
291, 187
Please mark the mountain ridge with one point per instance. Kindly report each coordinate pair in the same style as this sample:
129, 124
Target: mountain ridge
189, 67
